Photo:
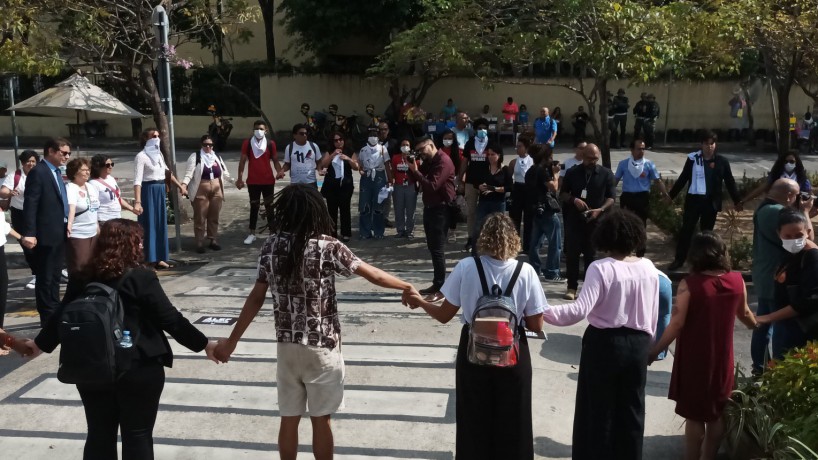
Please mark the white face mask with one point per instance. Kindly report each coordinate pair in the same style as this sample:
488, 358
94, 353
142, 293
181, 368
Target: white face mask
794, 246
405, 148
259, 133
789, 167
152, 144
448, 142
373, 141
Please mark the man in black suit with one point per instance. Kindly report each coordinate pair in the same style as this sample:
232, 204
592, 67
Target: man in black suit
46, 215
705, 172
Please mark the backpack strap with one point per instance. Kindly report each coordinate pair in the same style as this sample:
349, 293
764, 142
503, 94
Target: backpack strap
121, 315
482, 275
17, 176
513, 279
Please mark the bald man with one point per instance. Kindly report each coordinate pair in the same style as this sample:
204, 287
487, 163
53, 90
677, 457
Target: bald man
768, 255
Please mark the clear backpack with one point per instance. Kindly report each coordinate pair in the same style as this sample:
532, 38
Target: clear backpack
493, 336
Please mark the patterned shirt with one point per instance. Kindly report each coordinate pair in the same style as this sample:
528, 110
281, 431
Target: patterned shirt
306, 312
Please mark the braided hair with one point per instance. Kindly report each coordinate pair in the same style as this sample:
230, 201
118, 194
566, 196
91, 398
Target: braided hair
299, 210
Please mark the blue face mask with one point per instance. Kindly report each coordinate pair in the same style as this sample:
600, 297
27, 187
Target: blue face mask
482, 134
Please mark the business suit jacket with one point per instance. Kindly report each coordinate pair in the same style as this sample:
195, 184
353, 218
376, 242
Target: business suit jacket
148, 315
43, 211
721, 173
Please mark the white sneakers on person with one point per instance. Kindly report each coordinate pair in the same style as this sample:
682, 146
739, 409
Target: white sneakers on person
250, 239
32, 284
64, 273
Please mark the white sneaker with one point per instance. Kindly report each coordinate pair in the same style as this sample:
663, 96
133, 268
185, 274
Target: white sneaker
250, 238
32, 284
64, 273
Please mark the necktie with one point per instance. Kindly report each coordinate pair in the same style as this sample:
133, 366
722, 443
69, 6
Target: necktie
63, 193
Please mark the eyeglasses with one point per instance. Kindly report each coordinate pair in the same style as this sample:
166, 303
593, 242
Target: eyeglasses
301, 133
207, 145
64, 153
109, 165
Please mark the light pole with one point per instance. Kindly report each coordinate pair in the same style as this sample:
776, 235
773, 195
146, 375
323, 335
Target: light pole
11, 81
161, 24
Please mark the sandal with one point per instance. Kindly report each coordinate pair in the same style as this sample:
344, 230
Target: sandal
162, 265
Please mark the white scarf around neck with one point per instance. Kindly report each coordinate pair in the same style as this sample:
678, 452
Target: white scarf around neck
480, 144
698, 182
153, 152
636, 167
259, 146
208, 159
338, 166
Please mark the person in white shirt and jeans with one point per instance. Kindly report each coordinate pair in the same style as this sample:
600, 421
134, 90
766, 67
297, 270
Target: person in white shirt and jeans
302, 157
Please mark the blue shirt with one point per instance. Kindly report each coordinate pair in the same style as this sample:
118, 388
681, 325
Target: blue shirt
57, 174
632, 184
544, 128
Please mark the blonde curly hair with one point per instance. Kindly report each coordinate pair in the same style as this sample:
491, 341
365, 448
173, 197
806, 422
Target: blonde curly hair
498, 237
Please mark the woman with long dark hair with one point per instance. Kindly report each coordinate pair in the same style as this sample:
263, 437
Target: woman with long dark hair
132, 402
493, 190
339, 185
788, 166
299, 262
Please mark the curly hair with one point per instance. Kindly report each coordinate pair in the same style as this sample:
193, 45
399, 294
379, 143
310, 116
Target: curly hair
498, 237
118, 248
73, 167
619, 232
708, 252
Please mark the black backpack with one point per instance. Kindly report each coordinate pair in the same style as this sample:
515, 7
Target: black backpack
493, 334
90, 330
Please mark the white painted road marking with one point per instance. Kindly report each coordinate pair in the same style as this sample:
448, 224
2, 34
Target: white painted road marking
257, 397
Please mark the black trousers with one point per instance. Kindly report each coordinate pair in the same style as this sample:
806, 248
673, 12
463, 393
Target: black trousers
698, 209
609, 419
520, 213
493, 407
637, 127
49, 263
256, 192
436, 226
4, 284
639, 204
340, 201
17, 221
578, 242
619, 123
130, 404
650, 132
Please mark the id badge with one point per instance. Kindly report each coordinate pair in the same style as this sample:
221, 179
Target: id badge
584, 194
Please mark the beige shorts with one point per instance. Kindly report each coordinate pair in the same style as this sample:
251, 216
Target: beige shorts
309, 376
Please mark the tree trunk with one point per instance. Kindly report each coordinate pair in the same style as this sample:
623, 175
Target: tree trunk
160, 118
783, 95
605, 141
268, 14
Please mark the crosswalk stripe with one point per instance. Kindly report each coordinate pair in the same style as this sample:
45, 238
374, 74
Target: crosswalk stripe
261, 398
398, 354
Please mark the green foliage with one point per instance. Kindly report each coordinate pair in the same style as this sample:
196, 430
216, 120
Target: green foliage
319, 25
741, 252
26, 45
667, 217
779, 412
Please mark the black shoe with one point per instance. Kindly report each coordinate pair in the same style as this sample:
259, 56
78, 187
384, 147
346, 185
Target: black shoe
675, 265
388, 223
200, 250
214, 246
429, 290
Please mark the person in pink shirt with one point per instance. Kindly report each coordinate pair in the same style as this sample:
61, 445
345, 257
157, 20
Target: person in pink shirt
620, 300
510, 110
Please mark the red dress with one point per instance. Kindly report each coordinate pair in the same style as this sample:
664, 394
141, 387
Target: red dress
702, 377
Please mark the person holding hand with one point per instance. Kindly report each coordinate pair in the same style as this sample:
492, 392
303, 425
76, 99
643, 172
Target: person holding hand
83, 205
298, 263
260, 156
339, 186
14, 187
8, 342
132, 402
5, 231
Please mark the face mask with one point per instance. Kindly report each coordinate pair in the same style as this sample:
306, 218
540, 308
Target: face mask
482, 134
152, 144
259, 133
448, 142
373, 141
405, 148
789, 167
794, 246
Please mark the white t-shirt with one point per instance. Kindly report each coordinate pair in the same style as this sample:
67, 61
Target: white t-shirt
570, 163
109, 205
16, 201
463, 288
85, 224
373, 158
5, 228
302, 169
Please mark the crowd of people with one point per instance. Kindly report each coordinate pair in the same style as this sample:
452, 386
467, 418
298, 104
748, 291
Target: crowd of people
509, 210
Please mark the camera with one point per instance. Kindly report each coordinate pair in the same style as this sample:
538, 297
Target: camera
411, 157
540, 209
556, 163
805, 196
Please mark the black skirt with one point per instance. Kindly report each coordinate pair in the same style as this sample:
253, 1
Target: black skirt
493, 407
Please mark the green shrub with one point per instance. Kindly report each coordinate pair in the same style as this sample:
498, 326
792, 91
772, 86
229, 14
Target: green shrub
667, 217
741, 253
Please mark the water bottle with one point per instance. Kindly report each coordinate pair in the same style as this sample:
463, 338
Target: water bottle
125, 341
505, 338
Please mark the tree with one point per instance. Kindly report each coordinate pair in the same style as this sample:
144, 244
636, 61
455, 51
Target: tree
25, 46
268, 12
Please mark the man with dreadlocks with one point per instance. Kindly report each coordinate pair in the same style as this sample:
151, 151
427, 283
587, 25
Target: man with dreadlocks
298, 264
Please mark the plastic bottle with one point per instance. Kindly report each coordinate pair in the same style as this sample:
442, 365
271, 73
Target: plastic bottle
505, 337
125, 341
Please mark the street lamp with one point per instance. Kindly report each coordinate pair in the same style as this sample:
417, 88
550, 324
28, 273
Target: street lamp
161, 25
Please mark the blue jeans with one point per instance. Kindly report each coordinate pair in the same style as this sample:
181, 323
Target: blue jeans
484, 208
665, 301
371, 212
761, 336
546, 227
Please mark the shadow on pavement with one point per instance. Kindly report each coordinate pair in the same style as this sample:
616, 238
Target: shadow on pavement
562, 348
548, 448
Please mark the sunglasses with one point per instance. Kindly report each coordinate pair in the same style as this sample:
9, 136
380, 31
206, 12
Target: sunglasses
207, 145
109, 165
64, 153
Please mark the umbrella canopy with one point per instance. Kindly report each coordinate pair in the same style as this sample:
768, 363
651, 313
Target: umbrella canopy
72, 96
